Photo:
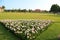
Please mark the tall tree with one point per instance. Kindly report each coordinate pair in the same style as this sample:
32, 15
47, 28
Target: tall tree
54, 8
3, 7
30, 10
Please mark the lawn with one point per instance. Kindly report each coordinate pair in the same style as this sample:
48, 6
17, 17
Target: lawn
42, 16
5, 34
50, 34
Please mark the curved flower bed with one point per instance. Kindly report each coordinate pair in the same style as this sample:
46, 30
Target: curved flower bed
27, 29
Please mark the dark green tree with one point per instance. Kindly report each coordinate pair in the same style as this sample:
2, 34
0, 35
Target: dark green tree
29, 10
3, 7
59, 9
19, 10
24, 10
54, 8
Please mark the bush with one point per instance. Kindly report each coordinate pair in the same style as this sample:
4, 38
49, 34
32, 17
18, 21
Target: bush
27, 29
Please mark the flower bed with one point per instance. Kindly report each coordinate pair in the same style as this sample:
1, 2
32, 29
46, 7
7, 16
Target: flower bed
27, 29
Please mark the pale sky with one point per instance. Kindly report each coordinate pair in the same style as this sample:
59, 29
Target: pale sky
29, 4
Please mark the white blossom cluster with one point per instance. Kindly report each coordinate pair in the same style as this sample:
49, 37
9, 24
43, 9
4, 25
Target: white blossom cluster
27, 28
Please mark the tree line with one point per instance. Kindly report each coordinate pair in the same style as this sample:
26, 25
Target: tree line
18, 10
55, 8
25, 10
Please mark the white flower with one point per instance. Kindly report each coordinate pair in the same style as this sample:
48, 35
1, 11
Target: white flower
27, 33
27, 36
30, 37
33, 36
41, 27
23, 30
14, 29
14, 26
15, 22
19, 32
10, 27
28, 29
7, 23
36, 31
23, 26
18, 28
38, 28
33, 31
39, 23
32, 23
11, 24
44, 24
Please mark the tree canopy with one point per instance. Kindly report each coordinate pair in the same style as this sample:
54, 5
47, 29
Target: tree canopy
3, 7
55, 8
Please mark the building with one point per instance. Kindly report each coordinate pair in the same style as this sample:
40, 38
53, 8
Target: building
1, 9
37, 10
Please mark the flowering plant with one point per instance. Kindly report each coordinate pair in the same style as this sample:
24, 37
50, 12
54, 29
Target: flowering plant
27, 29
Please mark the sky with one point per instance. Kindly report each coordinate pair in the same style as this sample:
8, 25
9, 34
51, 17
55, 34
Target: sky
29, 4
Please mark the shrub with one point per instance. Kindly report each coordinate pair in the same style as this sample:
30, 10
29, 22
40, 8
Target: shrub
27, 29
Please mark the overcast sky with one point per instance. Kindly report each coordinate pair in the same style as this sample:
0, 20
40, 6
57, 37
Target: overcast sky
29, 4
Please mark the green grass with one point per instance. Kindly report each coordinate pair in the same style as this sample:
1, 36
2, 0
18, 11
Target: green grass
5, 34
50, 34
42, 16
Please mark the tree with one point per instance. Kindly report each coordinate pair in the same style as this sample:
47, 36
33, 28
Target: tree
54, 8
3, 7
19, 10
59, 9
24, 10
29, 10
